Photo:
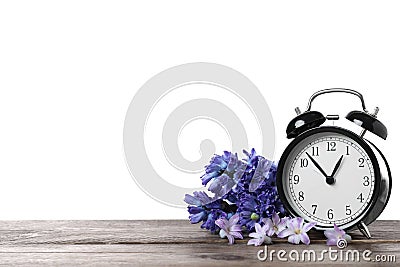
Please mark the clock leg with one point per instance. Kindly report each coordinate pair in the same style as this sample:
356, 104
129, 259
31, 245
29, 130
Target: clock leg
364, 229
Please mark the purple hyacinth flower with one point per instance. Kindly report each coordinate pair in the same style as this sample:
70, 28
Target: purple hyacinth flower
204, 209
230, 228
212, 216
336, 234
217, 166
249, 210
197, 214
252, 157
200, 198
260, 235
222, 184
251, 160
297, 231
256, 207
260, 174
275, 224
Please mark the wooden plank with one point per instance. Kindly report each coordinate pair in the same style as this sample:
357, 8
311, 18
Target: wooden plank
145, 232
172, 254
176, 242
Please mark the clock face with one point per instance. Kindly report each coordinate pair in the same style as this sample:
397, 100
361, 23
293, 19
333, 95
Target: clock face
328, 177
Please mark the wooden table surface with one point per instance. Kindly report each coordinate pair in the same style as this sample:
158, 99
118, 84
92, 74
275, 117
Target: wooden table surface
161, 243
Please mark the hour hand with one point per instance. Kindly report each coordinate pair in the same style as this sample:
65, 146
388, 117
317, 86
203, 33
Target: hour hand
317, 165
336, 167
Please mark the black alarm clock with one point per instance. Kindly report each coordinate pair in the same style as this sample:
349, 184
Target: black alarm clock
331, 175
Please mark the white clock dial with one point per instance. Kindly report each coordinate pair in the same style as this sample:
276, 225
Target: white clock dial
329, 178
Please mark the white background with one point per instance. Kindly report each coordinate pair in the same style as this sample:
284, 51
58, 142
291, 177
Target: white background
69, 69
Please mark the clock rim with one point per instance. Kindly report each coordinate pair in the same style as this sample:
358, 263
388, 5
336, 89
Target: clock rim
360, 141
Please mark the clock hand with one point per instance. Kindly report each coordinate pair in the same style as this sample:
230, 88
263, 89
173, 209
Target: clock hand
336, 167
317, 165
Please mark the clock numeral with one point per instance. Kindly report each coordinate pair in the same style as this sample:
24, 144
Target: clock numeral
296, 179
347, 151
315, 151
361, 161
330, 214
331, 146
360, 197
314, 206
301, 196
303, 163
366, 181
348, 210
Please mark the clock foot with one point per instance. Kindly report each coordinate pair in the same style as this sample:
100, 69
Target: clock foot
364, 229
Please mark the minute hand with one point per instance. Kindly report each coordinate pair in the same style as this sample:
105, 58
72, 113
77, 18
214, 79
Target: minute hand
317, 165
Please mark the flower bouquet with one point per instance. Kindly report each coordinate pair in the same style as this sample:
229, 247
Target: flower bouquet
242, 199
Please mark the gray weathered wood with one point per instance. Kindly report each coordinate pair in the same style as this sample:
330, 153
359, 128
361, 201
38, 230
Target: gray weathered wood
176, 242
